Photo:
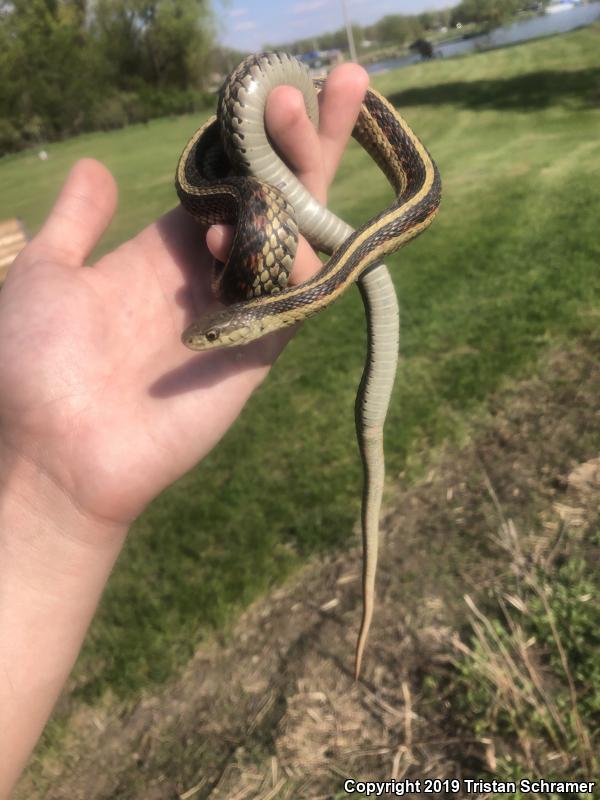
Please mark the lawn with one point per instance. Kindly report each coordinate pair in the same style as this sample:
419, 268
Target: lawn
509, 268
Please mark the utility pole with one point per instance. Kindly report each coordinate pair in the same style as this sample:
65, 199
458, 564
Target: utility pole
349, 33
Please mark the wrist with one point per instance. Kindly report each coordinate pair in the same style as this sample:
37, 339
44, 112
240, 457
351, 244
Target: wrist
48, 542
44, 512
54, 563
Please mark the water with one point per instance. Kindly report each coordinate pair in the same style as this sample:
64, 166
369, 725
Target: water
519, 31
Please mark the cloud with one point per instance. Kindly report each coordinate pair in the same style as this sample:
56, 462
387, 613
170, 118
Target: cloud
247, 25
308, 6
238, 12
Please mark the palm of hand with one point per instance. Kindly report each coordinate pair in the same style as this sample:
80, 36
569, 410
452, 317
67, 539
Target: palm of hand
96, 389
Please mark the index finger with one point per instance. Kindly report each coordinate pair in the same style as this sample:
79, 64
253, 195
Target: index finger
315, 156
339, 107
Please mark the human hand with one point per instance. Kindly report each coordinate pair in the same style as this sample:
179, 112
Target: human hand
96, 390
101, 406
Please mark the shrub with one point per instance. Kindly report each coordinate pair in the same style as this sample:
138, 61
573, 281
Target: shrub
10, 137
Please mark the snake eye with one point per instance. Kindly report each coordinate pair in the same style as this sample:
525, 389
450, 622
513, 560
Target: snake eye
212, 335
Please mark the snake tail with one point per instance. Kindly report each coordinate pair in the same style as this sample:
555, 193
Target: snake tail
372, 401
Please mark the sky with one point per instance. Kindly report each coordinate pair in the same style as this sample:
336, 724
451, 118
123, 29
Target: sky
248, 24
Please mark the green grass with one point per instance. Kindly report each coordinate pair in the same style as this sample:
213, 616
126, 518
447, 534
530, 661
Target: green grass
510, 266
142, 158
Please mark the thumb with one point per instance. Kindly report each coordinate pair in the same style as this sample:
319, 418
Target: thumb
81, 214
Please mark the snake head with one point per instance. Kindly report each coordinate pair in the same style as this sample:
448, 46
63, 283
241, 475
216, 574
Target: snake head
223, 328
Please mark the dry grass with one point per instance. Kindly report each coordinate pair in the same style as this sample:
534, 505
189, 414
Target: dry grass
519, 686
506, 661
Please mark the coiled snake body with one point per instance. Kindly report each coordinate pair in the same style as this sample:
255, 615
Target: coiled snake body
266, 208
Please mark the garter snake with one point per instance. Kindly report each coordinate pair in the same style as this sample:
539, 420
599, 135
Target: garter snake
264, 208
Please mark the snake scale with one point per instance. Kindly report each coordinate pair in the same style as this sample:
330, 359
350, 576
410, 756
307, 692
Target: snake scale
230, 173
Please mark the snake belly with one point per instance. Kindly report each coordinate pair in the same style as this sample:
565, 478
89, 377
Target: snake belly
236, 141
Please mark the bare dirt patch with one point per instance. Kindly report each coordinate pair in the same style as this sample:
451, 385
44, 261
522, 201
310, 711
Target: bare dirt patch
270, 710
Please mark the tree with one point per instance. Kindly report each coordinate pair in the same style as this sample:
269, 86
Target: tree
488, 13
73, 65
162, 42
397, 29
43, 68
